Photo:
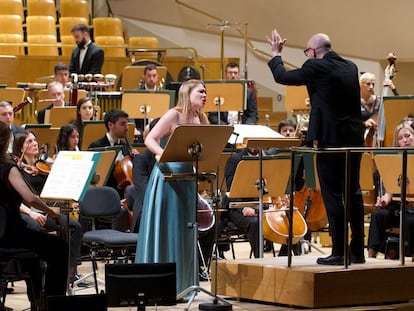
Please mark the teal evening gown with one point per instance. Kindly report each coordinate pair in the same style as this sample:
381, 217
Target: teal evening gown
164, 235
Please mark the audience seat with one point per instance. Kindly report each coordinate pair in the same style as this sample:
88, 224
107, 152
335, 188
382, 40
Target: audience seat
74, 8
111, 41
50, 45
66, 24
12, 7
67, 40
40, 25
144, 43
107, 26
41, 8
11, 31
11, 50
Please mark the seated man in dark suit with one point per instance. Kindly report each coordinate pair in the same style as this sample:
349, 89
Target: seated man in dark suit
116, 123
56, 95
7, 117
87, 57
249, 115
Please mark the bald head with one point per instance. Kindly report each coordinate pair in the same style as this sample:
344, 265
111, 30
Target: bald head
320, 44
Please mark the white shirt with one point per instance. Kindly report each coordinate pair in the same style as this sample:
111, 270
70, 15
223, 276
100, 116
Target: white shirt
82, 53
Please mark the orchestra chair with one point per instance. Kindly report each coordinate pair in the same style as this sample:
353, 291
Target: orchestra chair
104, 244
144, 43
41, 8
12, 7
49, 47
107, 26
115, 45
75, 8
10, 266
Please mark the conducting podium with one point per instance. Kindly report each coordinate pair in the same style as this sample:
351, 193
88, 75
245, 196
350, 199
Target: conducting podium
195, 143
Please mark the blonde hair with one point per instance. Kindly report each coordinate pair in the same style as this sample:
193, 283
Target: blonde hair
366, 76
184, 103
397, 130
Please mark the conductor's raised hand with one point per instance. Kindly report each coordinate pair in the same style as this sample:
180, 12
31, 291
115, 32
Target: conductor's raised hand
276, 43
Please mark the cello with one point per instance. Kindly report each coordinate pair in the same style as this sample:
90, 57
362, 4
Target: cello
123, 168
276, 222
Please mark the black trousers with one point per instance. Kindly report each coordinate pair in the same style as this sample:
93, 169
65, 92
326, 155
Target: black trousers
49, 248
331, 171
249, 226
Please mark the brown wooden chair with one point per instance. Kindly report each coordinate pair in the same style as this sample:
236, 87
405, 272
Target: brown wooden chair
12, 7
107, 26
114, 45
75, 8
144, 43
41, 8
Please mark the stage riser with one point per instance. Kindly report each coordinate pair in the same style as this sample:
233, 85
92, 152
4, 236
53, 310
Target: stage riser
307, 284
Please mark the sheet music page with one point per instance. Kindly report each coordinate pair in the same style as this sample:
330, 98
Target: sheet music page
69, 175
252, 131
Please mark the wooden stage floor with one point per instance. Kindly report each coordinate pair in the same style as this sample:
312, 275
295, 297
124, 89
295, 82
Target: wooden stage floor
18, 300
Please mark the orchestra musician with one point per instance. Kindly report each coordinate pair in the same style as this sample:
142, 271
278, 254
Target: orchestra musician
116, 123
169, 205
68, 138
370, 103
61, 74
56, 95
7, 116
50, 248
84, 112
150, 78
249, 116
87, 57
26, 151
335, 121
387, 214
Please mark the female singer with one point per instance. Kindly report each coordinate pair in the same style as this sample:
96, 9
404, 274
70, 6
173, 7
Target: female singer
53, 250
169, 206
84, 112
68, 138
26, 150
387, 214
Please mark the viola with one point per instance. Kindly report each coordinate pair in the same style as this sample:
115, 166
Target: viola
311, 206
276, 222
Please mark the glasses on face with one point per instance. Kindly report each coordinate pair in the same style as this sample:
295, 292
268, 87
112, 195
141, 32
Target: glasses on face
309, 49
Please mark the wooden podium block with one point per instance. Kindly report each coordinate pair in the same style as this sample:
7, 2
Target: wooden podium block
307, 284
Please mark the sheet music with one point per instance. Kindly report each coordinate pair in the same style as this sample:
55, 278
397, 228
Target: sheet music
252, 131
69, 176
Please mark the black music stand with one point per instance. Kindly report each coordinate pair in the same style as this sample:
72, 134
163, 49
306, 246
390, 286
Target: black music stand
196, 143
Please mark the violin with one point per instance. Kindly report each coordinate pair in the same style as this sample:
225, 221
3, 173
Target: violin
276, 222
205, 215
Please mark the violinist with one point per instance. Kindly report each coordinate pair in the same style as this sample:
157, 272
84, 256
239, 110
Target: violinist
68, 138
49, 248
116, 123
26, 152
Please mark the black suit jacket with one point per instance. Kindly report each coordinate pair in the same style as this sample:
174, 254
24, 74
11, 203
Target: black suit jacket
333, 87
104, 142
92, 62
15, 129
141, 170
249, 114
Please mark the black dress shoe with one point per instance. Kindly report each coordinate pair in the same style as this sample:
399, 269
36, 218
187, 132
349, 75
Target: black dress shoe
331, 260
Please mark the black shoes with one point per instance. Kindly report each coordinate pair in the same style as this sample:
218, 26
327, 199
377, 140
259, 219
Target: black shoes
331, 260
339, 260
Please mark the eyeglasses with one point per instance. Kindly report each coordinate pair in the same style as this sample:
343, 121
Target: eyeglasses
308, 49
